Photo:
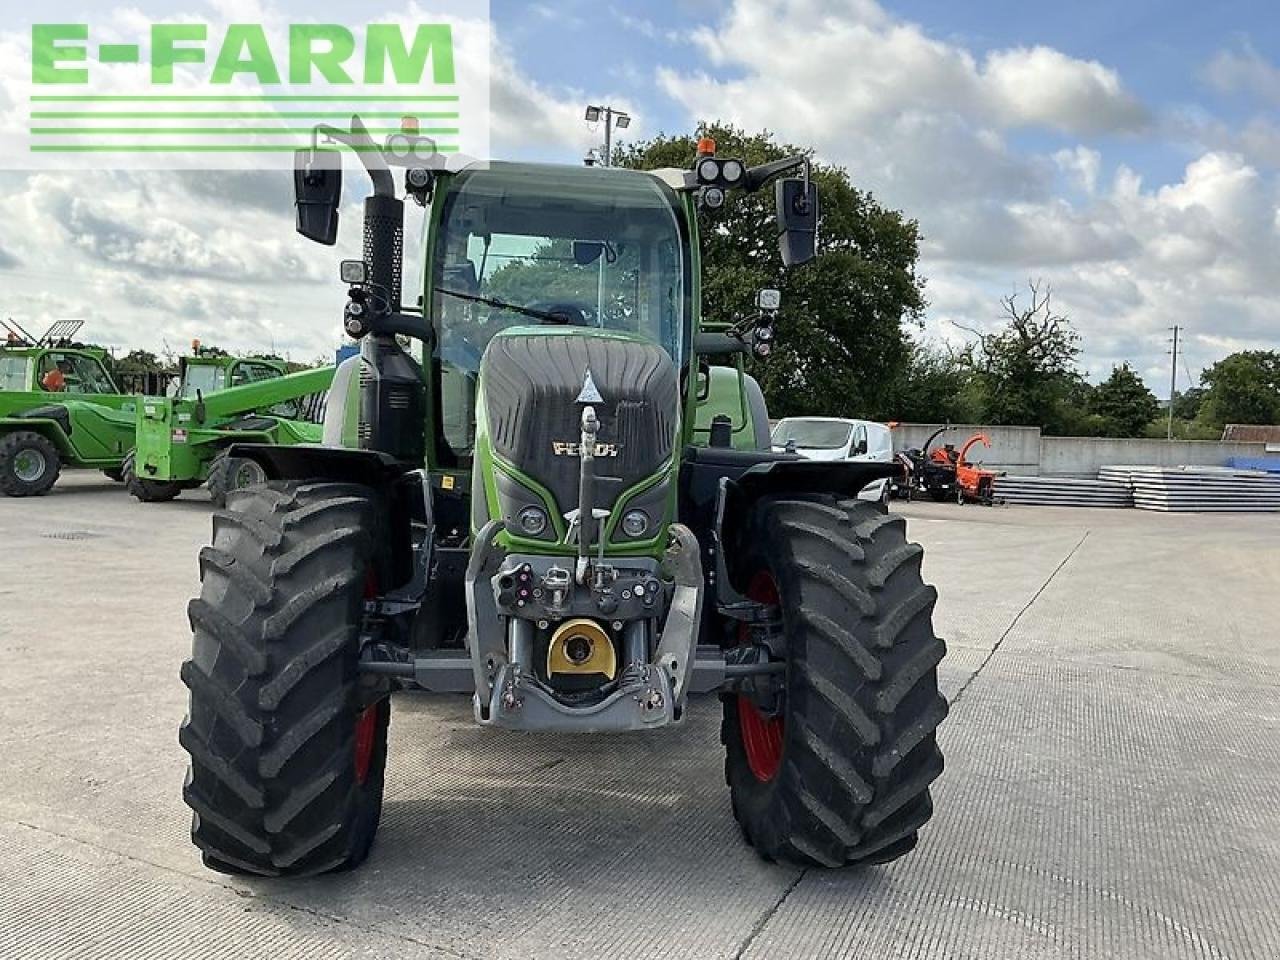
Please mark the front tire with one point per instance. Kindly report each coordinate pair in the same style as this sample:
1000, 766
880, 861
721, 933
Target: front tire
148, 491
287, 755
838, 772
29, 464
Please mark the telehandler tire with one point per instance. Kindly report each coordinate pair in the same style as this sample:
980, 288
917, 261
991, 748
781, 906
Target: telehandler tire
148, 491
29, 464
287, 760
228, 473
838, 772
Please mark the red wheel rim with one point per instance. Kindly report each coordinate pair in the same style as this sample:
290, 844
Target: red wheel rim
761, 735
367, 722
366, 730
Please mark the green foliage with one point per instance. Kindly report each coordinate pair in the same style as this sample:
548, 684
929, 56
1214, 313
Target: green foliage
937, 386
1187, 404
1123, 403
1242, 388
140, 361
841, 347
1025, 373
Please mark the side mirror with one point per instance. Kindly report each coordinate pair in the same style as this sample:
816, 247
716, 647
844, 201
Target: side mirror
587, 252
797, 204
317, 192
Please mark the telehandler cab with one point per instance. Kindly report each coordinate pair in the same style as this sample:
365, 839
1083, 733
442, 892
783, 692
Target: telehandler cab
523, 517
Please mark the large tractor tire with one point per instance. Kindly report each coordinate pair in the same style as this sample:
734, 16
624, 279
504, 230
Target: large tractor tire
228, 473
148, 491
287, 761
29, 464
836, 770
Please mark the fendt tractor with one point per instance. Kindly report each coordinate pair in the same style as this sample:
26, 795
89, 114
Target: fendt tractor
522, 517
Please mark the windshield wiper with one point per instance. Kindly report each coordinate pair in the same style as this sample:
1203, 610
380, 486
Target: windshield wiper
503, 305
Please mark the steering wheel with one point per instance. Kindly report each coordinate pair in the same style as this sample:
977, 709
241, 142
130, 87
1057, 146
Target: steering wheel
567, 314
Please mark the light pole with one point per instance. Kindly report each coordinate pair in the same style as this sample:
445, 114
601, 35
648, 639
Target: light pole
618, 119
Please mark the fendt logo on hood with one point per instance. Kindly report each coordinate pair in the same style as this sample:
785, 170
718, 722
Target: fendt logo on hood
564, 448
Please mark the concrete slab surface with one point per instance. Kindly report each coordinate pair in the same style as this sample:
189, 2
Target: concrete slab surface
1113, 763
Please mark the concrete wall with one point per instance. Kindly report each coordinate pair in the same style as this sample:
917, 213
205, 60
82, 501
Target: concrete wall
1023, 452
1013, 449
1082, 456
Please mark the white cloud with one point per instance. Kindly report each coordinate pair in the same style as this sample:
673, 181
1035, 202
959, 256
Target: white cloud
927, 125
1243, 71
1082, 164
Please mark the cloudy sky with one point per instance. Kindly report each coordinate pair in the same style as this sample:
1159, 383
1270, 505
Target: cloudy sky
1129, 154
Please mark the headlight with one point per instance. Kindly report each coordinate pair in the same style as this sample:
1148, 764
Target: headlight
713, 197
731, 171
635, 524
533, 521
708, 171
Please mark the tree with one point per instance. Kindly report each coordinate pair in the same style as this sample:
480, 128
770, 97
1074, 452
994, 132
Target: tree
1187, 403
1124, 403
937, 386
1243, 388
140, 361
841, 347
1026, 371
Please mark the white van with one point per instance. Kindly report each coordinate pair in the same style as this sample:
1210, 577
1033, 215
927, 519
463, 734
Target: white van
831, 438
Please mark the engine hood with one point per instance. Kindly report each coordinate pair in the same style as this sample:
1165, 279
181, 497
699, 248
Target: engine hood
535, 383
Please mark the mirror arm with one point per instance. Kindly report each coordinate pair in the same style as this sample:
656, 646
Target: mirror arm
404, 324
365, 148
760, 175
722, 344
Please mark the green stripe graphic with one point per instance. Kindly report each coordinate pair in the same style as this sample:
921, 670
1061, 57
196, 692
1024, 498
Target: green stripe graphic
233, 115
191, 148
276, 98
211, 131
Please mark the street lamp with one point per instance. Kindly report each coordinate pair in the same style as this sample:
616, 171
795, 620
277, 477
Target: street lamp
613, 119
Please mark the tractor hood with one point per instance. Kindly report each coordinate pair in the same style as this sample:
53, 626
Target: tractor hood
536, 381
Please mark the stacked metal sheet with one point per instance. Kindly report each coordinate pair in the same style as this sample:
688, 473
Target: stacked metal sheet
1198, 489
1063, 492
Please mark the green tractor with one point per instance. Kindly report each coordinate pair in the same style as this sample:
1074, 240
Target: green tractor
529, 516
59, 406
183, 441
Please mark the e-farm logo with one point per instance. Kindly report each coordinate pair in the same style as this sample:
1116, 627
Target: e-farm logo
208, 95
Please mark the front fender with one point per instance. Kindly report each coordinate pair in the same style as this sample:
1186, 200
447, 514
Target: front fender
342, 464
48, 428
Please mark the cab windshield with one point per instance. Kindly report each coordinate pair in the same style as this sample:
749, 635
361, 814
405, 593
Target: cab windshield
523, 245
13, 373
203, 377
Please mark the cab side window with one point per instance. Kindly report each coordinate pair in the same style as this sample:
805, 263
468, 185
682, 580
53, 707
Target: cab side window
72, 373
249, 372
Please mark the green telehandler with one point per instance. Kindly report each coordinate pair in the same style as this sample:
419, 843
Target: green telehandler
182, 442
524, 512
59, 406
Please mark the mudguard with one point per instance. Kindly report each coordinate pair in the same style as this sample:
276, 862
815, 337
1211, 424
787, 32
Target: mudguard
341, 464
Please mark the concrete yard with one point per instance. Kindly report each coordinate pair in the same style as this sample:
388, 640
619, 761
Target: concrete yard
1112, 782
